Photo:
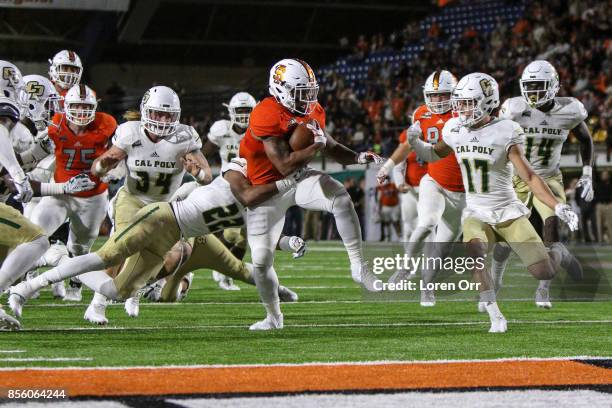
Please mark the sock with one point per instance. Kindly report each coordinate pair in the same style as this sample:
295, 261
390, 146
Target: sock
497, 270
71, 267
98, 299
100, 282
283, 244
249, 278
555, 252
544, 284
348, 227
493, 310
273, 308
20, 260
487, 296
267, 285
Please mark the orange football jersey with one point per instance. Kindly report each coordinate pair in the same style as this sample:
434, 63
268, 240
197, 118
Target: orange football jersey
446, 171
270, 118
75, 154
415, 169
389, 195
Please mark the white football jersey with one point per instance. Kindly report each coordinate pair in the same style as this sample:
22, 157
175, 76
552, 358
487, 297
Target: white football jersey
226, 139
154, 170
482, 155
21, 137
209, 209
545, 131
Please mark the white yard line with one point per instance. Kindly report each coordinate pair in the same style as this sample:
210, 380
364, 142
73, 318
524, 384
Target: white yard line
11, 351
330, 325
32, 359
319, 363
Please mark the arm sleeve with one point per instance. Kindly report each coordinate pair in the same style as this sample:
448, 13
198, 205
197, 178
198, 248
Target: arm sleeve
7, 156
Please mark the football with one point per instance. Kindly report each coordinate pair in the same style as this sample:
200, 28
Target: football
301, 138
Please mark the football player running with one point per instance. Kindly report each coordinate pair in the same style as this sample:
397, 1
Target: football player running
225, 136
154, 149
153, 231
294, 88
488, 149
26, 240
80, 135
547, 120
441, 194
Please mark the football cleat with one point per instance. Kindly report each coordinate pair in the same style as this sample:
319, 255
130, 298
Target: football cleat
298, 246
8, 323
498, 325
269, 323
59, 290
428, 298
542, 298
73, 292
96, 313
482, 307
224, 282
182, 291
132, 306
18, 296
286, 295
362, 274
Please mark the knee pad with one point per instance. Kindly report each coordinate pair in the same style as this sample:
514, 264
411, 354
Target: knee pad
262, 257
342, 201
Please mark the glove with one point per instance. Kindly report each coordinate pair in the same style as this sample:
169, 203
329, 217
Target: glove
24, 190
586, 183
298, 245
78, 184
369, 157
567, 215
319, 134
383, 173
298, 175
414, 133
285, 184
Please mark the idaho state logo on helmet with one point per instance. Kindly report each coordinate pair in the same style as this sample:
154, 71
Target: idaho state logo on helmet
279, 74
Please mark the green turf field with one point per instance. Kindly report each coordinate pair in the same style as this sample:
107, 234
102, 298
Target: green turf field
332, 322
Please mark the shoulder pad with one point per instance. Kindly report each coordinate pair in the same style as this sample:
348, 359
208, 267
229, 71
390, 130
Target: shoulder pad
513, 108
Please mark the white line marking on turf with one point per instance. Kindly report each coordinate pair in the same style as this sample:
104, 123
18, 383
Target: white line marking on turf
324, 325
317, 363
29, 359
310, 302
11, 351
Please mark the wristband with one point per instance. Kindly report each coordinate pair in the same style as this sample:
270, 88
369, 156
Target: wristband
389, 165
201, 177
51, 189
587, 171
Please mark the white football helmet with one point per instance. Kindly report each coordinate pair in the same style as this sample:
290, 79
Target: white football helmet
80, 105
539, 83
39, 100
439, 83
240, 107
475, 96
292, 82
11, 82
160, 111
66, 69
